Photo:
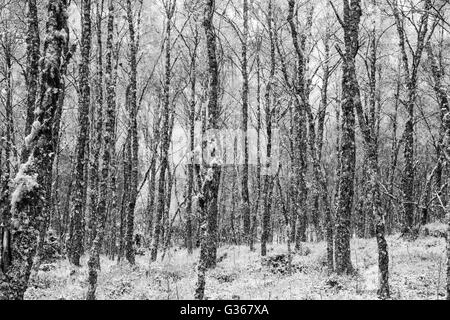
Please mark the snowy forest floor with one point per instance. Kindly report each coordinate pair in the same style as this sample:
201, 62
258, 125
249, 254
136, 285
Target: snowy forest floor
417, 271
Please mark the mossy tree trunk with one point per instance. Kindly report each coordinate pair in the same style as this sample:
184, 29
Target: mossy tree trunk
28, 197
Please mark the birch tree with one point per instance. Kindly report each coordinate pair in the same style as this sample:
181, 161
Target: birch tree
109, 148
350, 24
83, 116
207, 199
411, 57
169, 7
133, 135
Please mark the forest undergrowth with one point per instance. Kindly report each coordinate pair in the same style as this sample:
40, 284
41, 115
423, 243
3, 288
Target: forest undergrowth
417, 271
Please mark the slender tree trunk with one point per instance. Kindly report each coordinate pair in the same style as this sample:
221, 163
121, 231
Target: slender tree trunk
124, 200
96, 134
352, 16
133, 109
84, 100
323, 181
165, 137
301, 105
368, 126
441, 94
211, 179
245, 105
268, 183
111, 84
153, 172
394, 158
254, 217
108, 138
192, 106
5, 177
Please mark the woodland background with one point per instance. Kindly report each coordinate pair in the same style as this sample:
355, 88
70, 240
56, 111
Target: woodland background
334, 117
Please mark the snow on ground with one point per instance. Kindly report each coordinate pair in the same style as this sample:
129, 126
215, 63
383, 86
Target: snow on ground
417, 271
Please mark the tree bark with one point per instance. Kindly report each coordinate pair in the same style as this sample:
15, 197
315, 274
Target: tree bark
367, 123
352, 16
32, 73
268, 181
192, 105
83, 114
299, 158
28, 198
108, 138
245, 106
211, 178
165, 137
97, 132
133, 110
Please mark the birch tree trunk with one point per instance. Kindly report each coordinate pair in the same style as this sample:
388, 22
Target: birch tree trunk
8, 140
254, 217
83, 114
352, 16
367, 123
245, 106
133, 110
268, 181
97, 132
211, 178
192, 105
165, 137
152, 180
320, 130
104, 191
